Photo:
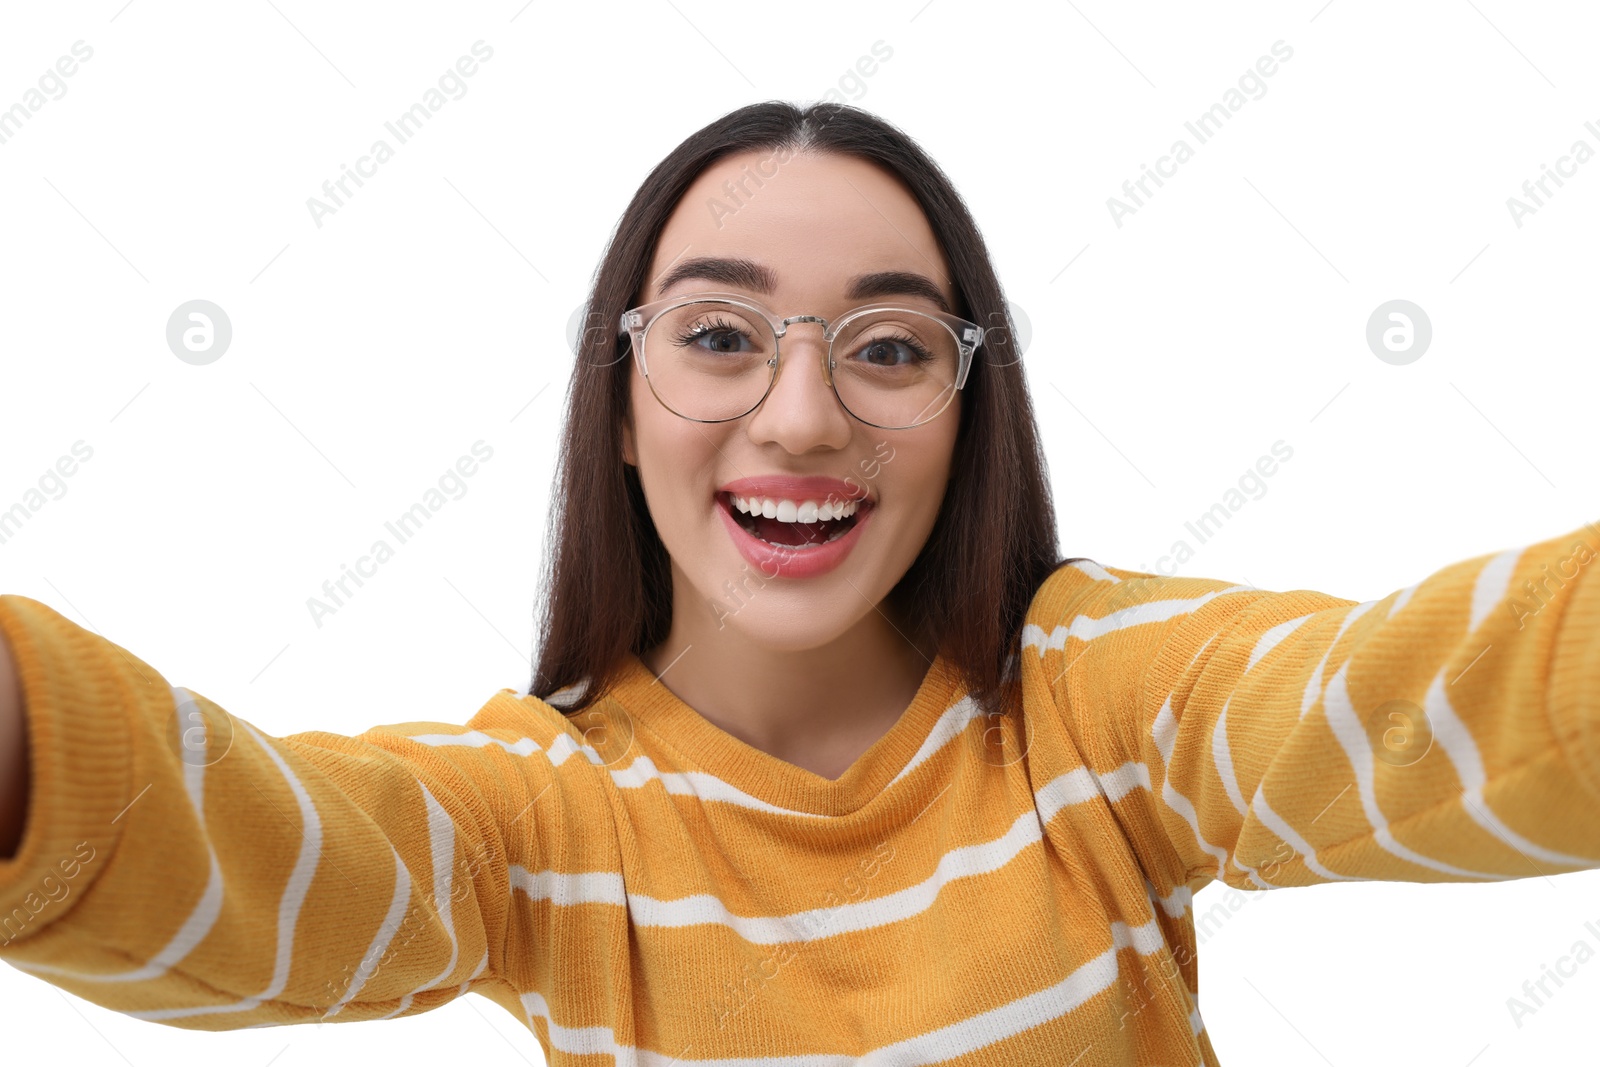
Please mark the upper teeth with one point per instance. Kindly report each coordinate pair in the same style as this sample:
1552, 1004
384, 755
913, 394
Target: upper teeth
789, 511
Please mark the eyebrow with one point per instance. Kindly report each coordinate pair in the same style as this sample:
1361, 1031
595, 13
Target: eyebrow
748, 274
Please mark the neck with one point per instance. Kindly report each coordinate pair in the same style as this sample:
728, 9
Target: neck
818, 708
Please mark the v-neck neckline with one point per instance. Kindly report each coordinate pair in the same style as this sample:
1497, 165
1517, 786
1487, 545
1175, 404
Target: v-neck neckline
767, 777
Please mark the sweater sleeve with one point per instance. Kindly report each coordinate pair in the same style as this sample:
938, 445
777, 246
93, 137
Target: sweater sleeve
181, 866
1447, 732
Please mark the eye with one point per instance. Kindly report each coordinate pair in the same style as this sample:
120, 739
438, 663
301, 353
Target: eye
892, 350
720, 333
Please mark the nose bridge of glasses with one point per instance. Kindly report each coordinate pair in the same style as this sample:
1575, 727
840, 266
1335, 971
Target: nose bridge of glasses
798, 343
823, 335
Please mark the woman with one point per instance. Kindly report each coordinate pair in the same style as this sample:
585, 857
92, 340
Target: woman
827, 756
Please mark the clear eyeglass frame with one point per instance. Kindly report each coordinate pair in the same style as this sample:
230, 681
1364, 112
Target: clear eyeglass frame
637, 322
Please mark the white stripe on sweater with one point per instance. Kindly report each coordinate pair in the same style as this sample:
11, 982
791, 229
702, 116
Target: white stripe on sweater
704, 786
1094, 570
442, 842
203, 916
1352, 736
372, 959
607, 887
1086, 628
1456, 740
965, 1036
289, 904
1270, 639
951, 724
1314, 684
1491, 586
1280, 826
1222, 758
960, 1038
523, 746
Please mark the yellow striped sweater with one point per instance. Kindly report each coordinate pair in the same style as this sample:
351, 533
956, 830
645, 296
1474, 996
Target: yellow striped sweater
639, 887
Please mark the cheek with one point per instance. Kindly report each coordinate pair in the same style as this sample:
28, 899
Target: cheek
675, 463
914, 470
654, 444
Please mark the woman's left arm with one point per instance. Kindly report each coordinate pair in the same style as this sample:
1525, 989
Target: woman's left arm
1447, 732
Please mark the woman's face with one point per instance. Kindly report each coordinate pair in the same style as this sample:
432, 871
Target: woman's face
812, 228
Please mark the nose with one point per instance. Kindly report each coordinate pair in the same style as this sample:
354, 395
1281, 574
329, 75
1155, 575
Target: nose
801, 412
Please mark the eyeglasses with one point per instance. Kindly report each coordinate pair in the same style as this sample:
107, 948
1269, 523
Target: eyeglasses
713, 357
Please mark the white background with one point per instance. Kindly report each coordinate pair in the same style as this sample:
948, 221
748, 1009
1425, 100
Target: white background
430, 311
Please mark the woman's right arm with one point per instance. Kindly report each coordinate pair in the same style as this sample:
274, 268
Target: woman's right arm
178, 865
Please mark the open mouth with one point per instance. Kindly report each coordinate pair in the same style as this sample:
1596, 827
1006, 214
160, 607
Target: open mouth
794, 524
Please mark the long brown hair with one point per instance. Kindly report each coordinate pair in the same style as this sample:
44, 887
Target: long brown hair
607, 587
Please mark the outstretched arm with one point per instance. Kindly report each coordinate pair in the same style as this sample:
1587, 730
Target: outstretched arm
1447, 732
179, 865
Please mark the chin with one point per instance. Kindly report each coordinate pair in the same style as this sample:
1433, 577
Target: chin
782, 631
781, 637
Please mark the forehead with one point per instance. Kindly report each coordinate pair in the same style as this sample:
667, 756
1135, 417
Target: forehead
813, 219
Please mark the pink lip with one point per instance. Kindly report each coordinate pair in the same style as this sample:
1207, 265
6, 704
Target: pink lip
779, 562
